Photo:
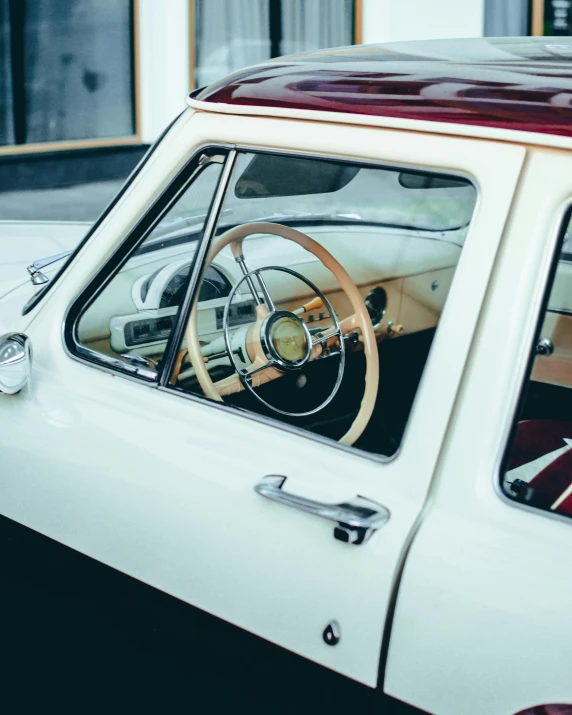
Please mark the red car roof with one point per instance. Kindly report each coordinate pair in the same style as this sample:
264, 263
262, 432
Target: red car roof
520, 83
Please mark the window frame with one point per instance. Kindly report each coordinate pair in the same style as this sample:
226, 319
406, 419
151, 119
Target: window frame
143, 228
123, 252
20, 146
508, 441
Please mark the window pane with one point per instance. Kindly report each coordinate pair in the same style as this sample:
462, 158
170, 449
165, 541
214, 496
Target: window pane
78, 76
539, 461
133, 316
308, 26
229, 36
6, 119
399, 236
508, 18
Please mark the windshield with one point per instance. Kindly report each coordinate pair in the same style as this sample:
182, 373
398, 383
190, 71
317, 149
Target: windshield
288, 190
377, 196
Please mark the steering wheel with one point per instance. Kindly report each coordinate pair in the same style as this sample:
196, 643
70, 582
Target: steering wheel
279, 341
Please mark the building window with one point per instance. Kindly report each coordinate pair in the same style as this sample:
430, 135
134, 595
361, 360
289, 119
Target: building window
67, 70
509, 18
6, 116
231, 34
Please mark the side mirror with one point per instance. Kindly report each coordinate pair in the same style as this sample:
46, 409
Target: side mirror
15, 362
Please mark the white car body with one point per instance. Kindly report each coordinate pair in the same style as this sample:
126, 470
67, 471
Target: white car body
461, 602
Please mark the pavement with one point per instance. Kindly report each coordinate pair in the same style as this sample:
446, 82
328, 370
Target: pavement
82, 202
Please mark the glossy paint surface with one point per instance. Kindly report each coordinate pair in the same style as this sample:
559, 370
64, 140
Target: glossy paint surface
511, 83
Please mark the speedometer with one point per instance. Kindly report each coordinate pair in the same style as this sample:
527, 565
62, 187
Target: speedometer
174, 291
166, 287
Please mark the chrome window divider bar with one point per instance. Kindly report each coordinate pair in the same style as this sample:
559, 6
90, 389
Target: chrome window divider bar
177, 333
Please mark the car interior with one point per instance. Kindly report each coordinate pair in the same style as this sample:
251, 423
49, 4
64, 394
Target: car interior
539, 458
318, 299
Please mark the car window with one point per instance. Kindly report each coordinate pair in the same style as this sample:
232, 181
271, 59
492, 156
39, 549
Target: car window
131, 319
539, 458
339, 274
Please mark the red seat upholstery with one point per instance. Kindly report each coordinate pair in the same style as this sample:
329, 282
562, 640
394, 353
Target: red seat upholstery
551, 488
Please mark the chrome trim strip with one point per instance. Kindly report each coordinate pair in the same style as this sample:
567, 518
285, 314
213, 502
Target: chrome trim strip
176, 337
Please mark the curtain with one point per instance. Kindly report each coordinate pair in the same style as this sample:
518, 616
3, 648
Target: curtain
78, 69
6, 118
229, 35
506, 18
316, 24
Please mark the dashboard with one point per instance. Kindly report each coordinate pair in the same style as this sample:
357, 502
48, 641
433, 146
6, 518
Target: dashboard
403, 276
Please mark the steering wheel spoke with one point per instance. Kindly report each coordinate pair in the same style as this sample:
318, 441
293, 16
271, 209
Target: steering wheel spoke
247, 374
265, 292
325, 338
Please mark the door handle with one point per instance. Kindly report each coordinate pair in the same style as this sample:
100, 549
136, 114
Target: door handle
356, 519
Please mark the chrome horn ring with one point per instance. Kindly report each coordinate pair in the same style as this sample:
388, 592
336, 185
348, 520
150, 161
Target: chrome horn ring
275, 358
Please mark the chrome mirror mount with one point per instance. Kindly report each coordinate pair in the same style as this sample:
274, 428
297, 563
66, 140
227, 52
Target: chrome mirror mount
15, 362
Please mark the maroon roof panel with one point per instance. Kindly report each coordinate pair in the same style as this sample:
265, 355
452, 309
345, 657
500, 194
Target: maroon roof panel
513, 83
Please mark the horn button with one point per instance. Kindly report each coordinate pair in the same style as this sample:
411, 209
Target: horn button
286, 340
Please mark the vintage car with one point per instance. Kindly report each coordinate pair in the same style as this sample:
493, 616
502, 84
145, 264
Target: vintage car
309, 374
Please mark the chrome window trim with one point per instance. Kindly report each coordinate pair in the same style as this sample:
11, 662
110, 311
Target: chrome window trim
544, 287
176, 336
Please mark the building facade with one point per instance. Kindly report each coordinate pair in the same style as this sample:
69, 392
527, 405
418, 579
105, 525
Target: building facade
87, 85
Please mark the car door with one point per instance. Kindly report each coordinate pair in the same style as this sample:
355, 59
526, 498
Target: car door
161, 485
492, 632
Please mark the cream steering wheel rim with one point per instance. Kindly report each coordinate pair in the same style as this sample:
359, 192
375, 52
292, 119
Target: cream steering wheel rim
359, 319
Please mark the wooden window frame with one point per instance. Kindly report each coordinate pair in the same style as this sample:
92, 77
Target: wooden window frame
357, 33
537, 18
105, 142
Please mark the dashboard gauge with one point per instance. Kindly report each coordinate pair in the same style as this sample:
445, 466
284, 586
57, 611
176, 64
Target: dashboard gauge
376, 303
173, 293
165, 287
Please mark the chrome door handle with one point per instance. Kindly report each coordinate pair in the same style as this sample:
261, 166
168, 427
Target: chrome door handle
356, 519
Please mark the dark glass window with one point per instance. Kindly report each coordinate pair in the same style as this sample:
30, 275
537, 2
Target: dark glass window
66, 70
231, 34
6, 120
77, 69
508, 18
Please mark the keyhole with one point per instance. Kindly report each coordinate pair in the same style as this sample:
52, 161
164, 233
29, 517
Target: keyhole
332, 634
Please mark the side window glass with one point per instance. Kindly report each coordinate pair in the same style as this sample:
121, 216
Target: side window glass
338, 275
539, 460
131, 319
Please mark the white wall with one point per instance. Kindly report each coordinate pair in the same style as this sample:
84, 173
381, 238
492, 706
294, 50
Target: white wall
399, 20
163, 63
